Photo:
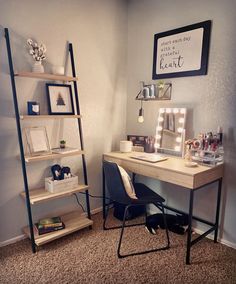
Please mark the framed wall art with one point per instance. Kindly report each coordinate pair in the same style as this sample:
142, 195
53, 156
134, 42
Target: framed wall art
37, 140
181, 52
60, 100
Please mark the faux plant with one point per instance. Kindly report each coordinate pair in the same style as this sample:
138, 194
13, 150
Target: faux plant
37, 50
161, 85
62, 144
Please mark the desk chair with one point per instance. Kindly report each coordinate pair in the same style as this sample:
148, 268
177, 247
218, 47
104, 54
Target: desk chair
117, 192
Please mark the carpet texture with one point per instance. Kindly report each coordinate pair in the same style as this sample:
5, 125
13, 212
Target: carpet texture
89, 256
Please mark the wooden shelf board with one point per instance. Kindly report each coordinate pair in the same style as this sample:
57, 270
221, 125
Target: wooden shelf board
45, 76
44, 116
41, 195
31, 159
73, 221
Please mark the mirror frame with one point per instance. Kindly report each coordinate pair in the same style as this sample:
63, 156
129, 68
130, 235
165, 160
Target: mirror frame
181, 130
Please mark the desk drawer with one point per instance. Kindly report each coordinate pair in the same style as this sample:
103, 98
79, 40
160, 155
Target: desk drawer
149, 170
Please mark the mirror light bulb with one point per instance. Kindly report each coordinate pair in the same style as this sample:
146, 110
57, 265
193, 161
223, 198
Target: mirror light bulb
180, 129
162, 110
183, 110
175, 110
181, 120
177, 148
178, 139
158, 136
168, 110
156, 145
160, 118
159, 128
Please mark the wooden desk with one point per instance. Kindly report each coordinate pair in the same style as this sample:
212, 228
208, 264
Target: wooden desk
174, 171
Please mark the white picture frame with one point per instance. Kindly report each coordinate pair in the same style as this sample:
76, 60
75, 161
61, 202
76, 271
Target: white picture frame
37, 140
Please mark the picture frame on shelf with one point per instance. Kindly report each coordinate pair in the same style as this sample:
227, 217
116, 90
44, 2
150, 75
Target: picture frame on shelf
37, 140
181, 52
60, 100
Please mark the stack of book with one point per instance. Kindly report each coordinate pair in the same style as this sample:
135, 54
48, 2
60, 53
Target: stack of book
49, 225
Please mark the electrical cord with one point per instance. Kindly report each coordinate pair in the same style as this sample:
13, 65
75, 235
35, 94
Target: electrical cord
79, 202
94, 196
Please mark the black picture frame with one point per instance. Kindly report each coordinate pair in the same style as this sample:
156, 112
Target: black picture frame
62, 92
137, 140
176, 42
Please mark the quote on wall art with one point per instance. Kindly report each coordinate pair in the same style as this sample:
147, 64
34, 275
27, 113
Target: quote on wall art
182, 52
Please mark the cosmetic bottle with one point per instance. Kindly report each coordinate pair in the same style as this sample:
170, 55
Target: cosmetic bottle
220, 135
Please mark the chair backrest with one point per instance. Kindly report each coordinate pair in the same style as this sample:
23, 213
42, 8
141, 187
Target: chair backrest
114, 183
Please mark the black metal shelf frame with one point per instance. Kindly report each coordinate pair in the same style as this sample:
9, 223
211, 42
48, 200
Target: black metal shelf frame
19, 133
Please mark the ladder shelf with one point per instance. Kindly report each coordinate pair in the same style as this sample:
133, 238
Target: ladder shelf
73, 221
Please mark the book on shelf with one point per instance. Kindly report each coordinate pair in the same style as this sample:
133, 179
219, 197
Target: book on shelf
48, 225
64, 150
50, 221
41, 230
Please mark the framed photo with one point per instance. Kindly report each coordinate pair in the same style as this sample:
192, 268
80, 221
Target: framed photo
60, 99
137, 140
181, 52
37, 140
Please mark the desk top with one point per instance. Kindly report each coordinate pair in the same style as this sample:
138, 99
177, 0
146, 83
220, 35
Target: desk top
171, 170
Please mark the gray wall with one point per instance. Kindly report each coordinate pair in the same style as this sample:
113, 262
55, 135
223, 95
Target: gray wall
98, 31
210, 99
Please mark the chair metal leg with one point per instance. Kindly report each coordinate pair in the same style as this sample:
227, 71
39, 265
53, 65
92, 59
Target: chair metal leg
105, 214
119, 226
122, 231
166, 227
141, 252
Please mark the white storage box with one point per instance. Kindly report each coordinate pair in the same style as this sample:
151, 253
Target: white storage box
55, 186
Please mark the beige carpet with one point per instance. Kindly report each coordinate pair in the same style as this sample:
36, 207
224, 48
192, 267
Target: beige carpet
89, 256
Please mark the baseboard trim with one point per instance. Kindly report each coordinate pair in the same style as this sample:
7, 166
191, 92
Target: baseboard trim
220, 240
12, 241
22, 237
98, 210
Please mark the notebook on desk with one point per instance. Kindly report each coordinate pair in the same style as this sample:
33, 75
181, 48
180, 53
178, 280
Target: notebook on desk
152, 158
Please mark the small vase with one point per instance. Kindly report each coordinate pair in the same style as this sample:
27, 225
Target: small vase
38, 67
188, 155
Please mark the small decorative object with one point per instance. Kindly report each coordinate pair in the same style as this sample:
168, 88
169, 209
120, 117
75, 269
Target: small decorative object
61, 180
37, 140
55, 186
207, 149
188, 155
138, 142
59, 173
60, 99
125, 146
38, 52
159, 91
62, 144
33, 108
149, 145
58, 70
56, 171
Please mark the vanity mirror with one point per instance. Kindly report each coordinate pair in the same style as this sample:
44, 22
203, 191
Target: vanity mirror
170, 130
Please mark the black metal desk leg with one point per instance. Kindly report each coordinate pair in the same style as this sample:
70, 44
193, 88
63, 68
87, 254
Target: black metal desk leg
218, 209
189, 226
103, 195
